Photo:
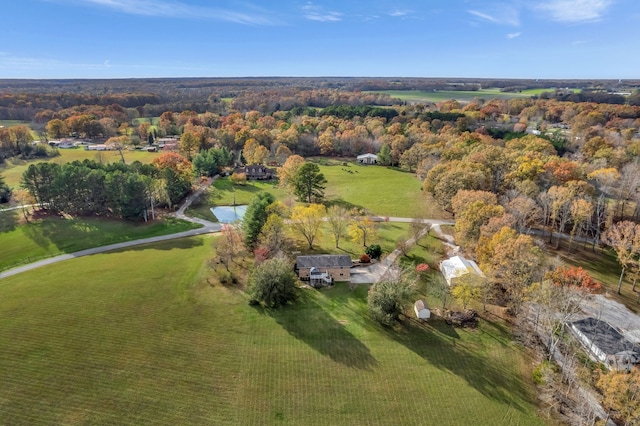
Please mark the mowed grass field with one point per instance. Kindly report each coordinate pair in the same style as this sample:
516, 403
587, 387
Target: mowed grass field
13, 168
147, 336
381, 191
22, 243
458, 95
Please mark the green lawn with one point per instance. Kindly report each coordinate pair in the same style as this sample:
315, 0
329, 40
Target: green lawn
51, 236
13, 168
382, 191
459, 95
144, 336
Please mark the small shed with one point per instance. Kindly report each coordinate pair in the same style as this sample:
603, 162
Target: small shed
367, 159
421, 310
457, 266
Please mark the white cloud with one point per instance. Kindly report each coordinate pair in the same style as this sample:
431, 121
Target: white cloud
317, 13
177, 9
399, 13
513, 35
575, 10
503, 15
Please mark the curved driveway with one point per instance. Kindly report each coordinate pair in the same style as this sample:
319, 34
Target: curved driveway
207, 228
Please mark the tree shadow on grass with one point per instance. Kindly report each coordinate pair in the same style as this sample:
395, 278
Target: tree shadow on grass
440, 345
307, 321
342, 203
9, 220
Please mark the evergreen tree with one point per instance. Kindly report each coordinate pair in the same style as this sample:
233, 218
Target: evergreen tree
308, 183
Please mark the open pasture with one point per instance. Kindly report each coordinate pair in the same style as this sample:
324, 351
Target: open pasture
22, 243
380, 190
148, 336
413, 96
13, 168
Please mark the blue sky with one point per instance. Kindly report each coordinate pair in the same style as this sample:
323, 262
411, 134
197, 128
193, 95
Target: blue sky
399, 38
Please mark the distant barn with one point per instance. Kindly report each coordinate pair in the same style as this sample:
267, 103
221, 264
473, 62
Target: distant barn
367, 159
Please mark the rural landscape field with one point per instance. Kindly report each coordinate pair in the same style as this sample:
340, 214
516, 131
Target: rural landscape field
320, 213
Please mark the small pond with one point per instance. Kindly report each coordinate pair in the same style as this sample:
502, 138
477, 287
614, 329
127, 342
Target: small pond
228, 214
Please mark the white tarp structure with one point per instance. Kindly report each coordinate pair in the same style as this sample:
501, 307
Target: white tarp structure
457, 266
367, 159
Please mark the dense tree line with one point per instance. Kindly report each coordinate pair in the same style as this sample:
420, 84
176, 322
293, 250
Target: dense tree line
91, 188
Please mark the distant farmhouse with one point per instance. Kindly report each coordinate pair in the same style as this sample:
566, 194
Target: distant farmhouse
367, 159
322, 270
605, 344
454, 268
257, 172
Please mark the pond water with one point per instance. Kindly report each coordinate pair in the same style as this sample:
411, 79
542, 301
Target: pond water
228, 214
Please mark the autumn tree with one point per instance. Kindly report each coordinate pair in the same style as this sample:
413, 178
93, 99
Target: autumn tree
362, 228
338, 220
190, 143
143, 130
472, 210
465, 291
249, 150
260, 155
228, 245
118, 143
308, 220
581, 212
309, 183
561, 201
287, 173
57, 128
282, 153
622, 394
525, 211
273, 234
624, 238
515, 264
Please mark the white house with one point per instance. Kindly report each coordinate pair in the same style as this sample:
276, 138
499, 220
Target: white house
455, 267
421, 310
367, 159
605, 344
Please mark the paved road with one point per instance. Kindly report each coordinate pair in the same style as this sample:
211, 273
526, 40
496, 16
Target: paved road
207, 228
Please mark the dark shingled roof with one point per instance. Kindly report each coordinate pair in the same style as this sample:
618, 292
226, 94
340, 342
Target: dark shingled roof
323, 261
604, 336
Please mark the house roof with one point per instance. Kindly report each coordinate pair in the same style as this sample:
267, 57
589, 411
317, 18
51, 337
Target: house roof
323, 261
458, 266
603, 336
360, 157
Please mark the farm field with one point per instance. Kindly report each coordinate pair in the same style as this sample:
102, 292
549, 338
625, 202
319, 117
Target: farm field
22, 243
13, 168
459, 95
380, 190
148, 336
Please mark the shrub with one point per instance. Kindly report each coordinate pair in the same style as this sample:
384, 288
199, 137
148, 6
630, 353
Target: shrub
374, 251
238, 178
365, 258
